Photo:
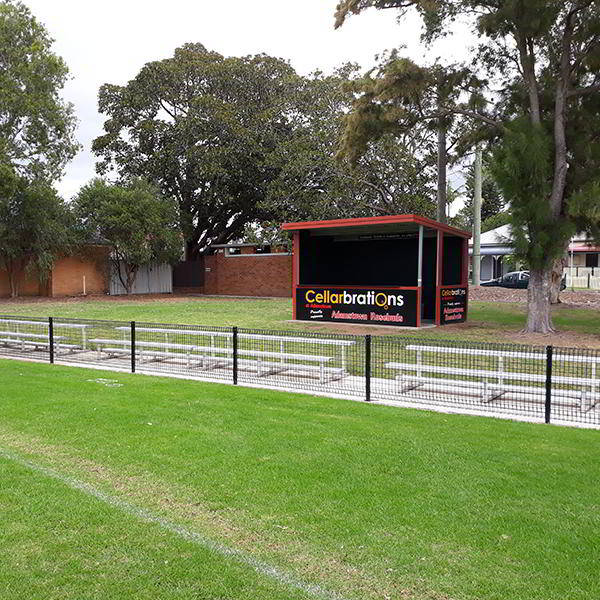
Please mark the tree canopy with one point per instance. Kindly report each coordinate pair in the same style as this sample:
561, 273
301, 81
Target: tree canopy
247, 140
36, 227
138, 224
392, 176
36, 125
533, 94
202, 128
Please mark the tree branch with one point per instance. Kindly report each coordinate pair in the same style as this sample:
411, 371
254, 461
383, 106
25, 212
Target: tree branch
591, 89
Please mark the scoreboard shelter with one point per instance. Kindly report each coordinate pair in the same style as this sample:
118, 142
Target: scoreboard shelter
402, 270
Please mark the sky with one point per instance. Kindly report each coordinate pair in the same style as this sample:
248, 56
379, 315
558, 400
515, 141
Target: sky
109, 42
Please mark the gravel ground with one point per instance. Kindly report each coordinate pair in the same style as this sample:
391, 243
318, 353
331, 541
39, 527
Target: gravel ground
578, 299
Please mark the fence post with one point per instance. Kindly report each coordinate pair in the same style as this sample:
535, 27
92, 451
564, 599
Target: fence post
368, 368
133, 346
51, 339
235, 355
548, 406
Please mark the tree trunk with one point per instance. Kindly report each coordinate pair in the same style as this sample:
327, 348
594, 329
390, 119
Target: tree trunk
442, 162
14, 284
130, 279
13, 278
557, 276
191, 250
539, 318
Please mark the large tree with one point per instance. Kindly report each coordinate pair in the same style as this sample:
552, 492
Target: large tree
202, 127
394, 175
36, 125
36, 227
402, 99
139, 225
541, 58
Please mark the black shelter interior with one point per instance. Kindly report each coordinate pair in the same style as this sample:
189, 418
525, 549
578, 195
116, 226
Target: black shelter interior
333, 258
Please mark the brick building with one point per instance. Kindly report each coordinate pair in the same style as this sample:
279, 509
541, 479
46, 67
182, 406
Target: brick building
234, 270
85, 272
248, 270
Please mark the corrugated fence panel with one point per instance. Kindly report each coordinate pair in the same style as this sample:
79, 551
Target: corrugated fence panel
153, 279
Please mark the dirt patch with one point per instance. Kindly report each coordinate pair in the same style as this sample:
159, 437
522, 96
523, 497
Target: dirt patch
483, 332
134, 298
579, 299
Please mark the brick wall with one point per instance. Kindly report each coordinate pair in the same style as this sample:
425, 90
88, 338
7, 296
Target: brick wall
68, 273
29, 285
248, 275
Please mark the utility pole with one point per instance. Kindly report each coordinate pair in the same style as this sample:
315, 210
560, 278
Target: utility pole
477, 218
442, 165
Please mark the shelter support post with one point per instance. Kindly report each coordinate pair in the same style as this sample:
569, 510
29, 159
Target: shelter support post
420, 259
438, 274
295, 268
420, 277
465, 262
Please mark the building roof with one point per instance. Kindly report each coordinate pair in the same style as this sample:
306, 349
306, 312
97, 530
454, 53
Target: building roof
499, 241
501, 236
377, 225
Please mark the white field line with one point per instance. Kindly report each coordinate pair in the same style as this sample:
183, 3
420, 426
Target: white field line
410, 402
260, 567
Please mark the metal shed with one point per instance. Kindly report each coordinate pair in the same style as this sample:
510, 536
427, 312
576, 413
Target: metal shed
152, 279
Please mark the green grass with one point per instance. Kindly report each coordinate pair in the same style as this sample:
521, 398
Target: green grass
256, 313
368, 501
512, 316
58, 543
487, 321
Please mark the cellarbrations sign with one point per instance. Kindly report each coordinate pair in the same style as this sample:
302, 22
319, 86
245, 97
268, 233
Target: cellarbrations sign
453, 305
381, 306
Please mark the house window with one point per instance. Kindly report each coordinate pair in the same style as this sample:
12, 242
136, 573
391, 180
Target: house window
591, 260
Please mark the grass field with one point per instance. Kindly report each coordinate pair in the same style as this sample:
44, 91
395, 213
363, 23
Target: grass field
364, 501
487, 321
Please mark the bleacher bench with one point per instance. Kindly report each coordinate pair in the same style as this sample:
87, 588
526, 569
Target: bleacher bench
490, 384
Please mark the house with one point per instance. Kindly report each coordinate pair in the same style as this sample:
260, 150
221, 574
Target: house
497, 254
583, 253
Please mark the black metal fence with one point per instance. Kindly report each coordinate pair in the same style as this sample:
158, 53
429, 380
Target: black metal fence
551, 384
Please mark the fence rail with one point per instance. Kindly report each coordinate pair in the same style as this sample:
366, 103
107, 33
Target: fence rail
546, 384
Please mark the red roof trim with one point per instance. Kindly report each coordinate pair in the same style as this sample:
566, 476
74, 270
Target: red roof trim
364, 221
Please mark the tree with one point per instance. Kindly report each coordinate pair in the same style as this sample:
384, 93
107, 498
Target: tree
394, 175
139, 224
36, 126
495, 221
408, 101
492, 201
36, 227
267, 233
202, 127
543, 58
